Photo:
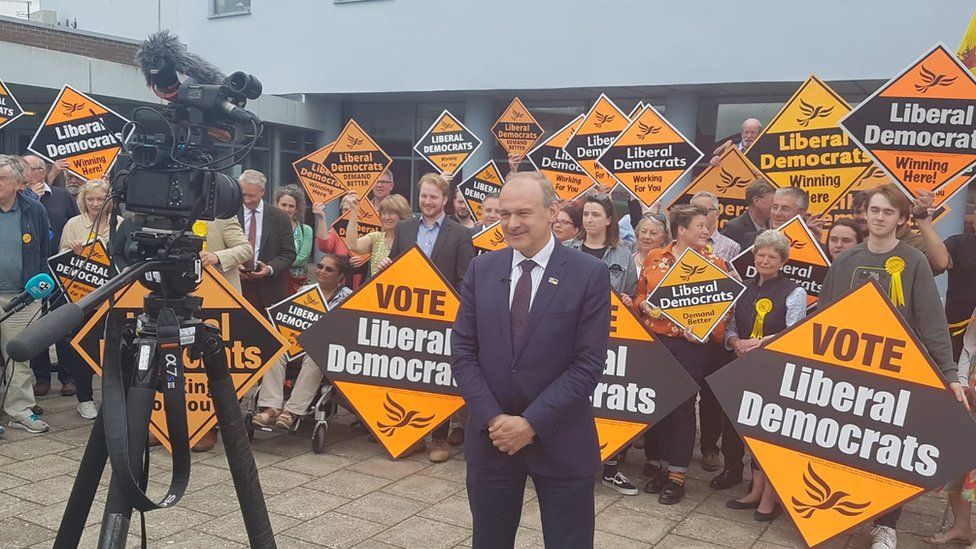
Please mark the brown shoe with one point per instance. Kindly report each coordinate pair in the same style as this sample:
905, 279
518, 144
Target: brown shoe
439, 452
68, 389
286, 420
456, 437
710, 462
265, 418
42, 388
206, 443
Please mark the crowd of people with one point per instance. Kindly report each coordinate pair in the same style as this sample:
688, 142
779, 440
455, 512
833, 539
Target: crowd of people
265, 252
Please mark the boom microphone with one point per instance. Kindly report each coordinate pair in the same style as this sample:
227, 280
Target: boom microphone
163, 58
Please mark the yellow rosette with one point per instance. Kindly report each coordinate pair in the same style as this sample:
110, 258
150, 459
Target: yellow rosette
763, 307
894, 267
200, 229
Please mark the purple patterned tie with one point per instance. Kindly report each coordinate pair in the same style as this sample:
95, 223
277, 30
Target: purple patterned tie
521, 300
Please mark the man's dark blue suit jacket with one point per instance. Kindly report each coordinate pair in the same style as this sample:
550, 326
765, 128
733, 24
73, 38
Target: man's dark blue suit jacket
550, 377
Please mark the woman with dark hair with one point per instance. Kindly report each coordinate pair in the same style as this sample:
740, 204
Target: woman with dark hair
770, 304
290, 199
600, 238
331, 272
568, 223
668, 445
844, 234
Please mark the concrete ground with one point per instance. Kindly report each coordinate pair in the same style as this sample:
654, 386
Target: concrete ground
355, 496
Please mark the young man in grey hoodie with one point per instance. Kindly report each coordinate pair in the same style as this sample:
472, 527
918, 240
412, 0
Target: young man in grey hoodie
882, 256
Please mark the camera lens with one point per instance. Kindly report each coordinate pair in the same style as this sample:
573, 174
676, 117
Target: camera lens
244, 84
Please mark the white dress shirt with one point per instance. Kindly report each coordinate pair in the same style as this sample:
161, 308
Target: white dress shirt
250, 218
541, 260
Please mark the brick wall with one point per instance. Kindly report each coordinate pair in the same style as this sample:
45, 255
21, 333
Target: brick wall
70, 41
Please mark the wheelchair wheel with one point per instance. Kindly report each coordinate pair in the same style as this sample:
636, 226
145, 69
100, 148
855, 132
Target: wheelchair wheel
250, 426
318, 437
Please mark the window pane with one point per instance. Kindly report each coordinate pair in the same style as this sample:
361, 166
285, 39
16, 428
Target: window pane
224, 7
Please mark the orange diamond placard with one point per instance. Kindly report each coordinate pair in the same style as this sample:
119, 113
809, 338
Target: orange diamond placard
294, 314
448, 144
516, 130
10, 109
488, 180
490, 238
600, 127
846, 417
649, 156
804, 147
920, 127
400, 384
80, 274
252, 345
728, 181
319, 183
82, 131
355, 160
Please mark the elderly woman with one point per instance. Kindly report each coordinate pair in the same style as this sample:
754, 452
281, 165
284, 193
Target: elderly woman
770, 304
568, 223
90, 225
668, 445
330, 273
393, 209
290, 199
653, 232
328, 242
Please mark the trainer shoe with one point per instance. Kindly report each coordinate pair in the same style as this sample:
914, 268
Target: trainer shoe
31, 424
885, 537
1, 430
265, 418
87, 409
620, 484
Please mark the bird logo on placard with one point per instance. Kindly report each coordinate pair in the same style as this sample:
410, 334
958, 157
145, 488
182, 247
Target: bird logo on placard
497, 237
811, 113
354, 141
874, 172
71, 108
646, 129
400, 417
689, 271
730, 181
517, 115
931, 80
824, 498
796, 244
308, 299
445, 125
602, 119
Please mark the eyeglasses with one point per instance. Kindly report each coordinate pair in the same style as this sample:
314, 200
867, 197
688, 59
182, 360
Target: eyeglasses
327, 269
562, 222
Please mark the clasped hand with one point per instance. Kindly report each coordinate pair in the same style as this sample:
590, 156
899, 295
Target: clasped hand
510, 433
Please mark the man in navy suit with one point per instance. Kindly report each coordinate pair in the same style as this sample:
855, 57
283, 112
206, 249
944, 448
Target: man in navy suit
529, 346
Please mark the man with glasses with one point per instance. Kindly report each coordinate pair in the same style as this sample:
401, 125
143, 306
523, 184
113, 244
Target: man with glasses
382, 188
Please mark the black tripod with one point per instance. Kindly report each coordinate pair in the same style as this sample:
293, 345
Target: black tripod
141, 356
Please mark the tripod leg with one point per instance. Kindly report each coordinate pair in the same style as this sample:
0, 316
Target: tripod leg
237, 448
83, 492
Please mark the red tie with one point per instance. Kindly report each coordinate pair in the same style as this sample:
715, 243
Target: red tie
252, 237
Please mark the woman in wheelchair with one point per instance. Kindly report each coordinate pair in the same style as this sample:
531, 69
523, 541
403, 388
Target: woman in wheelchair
331, 273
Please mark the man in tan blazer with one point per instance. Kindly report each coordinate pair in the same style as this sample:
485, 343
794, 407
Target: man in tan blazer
227, 247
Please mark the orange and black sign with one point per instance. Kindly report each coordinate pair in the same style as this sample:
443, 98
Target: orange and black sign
920, 127
79, 274
728, 181
490, 238
807, 265
355, 160
251, 345
565, 174
82, 131
804, 147
695, 294
318, 181
293, 315
517, 131
847, 418
488, 180
448, 144
637, 109
10, 109
641, 384
387, 348
600, 127
649, 156
367, 222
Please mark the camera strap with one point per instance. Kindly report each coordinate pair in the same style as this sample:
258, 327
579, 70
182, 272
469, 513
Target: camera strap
126, 414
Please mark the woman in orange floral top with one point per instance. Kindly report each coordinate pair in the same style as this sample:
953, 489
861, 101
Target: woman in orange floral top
668, 445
